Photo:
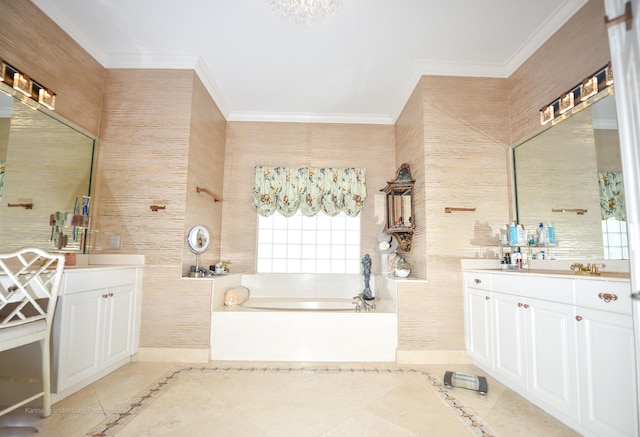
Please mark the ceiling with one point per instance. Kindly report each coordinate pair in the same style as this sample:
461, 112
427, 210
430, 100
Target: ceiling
357, 66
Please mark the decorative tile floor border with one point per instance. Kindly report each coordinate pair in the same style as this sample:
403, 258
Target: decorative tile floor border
115, 422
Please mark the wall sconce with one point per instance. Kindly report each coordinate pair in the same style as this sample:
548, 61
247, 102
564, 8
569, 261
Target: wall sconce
26, 86
589, 87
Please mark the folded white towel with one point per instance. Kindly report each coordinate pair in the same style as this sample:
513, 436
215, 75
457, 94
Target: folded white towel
236, 295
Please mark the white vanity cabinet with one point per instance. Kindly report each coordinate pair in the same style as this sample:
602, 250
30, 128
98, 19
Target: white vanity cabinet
95, 326
535, 339
478, 317
564, 342
606, 356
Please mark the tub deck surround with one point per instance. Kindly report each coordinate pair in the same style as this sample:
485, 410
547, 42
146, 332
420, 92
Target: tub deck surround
288, 334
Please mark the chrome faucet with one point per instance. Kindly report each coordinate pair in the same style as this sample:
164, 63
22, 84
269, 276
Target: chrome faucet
361, 302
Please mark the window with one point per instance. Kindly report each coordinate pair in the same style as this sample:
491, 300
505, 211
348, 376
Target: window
614, 238
300, 244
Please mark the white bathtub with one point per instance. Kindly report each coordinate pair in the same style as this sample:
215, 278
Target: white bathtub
304, 318
299, 304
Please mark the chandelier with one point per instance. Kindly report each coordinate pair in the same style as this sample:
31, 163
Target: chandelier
305, 11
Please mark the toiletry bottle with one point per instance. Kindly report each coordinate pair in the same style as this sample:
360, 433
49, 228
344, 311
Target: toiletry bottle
552, 233
522, 235
541, 235
513, 234
504, 235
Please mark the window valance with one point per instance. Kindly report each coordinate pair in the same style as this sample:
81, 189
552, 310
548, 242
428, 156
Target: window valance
611, 196
310, 190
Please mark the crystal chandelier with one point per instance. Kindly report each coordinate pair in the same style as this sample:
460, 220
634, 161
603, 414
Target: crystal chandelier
305, 11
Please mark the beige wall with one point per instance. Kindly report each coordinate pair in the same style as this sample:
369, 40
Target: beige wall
454, 132
459, 162
575, 51
34, 44
299, 145
155, 148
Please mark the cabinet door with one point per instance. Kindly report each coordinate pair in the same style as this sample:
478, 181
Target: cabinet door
509, 335
478, 327
118, 338
552, 355
81, 334
607, 373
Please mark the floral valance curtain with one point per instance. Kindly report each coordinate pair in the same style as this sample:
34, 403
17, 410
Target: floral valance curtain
611, 196
310, 190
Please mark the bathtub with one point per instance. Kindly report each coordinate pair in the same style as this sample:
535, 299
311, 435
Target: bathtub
304, 318
299, 304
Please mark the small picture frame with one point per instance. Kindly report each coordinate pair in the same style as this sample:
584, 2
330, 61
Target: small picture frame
466, 381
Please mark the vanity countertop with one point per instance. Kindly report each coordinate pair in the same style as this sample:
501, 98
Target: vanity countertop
603, 276
91, 262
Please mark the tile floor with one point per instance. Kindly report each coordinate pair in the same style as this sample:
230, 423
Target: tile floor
271, 400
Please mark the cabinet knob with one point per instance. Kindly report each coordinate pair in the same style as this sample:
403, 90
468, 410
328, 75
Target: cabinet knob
110, 294
520, 304
477, 281
578, 318
526, 305
487, 298
104, 296
608, 297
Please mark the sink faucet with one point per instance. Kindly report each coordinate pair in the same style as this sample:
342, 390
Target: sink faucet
361, 302
589, 269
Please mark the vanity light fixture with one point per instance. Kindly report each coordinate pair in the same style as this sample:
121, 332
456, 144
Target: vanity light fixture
22, 83
608, 75
589, 87
547, 114
566, 102
33, 93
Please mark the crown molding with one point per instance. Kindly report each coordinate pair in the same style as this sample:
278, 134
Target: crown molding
282, 117
557, 19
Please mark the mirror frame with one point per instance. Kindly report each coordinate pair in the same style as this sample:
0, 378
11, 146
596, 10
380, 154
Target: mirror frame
87, 242
397, 191
609, 91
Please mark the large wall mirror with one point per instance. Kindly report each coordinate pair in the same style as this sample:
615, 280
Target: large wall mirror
45, 166
570, 174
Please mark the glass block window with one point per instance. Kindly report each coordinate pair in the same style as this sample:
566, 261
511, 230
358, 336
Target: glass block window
614, 237
300, 244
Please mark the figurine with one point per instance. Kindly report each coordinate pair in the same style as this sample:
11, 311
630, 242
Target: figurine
366, 265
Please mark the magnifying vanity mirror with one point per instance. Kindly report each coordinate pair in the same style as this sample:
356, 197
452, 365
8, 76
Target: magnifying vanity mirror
400, 208
45, 165
570, 174
198, 241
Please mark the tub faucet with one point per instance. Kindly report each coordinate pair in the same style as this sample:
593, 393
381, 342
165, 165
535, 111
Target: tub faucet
361, 302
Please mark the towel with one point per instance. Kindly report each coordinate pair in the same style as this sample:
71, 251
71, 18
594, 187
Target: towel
236, 296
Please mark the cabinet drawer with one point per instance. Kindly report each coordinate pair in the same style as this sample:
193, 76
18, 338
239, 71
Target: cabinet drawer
538, 287
78, 281
480, 281
604, 295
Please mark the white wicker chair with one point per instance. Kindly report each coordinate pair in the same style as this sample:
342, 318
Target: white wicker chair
29, 285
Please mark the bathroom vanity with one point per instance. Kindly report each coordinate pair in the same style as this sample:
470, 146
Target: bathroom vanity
563, 341
96, 326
